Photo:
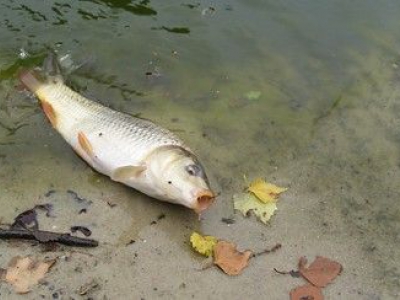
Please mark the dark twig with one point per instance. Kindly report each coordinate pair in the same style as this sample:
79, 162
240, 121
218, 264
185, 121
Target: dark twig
47, 236
85, 231
266, 251
293, 273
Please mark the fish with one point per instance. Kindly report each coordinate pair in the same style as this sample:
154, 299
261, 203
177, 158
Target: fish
129, 150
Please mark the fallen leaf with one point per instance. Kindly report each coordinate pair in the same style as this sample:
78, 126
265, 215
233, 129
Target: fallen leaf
24, 272
321, 271
203, 244
26, 220
306, 292
245, 202
229, 259
264, 191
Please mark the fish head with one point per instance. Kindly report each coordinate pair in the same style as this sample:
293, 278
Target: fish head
180, 178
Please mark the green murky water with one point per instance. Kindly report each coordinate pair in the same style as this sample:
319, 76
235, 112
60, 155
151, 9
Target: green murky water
305, 93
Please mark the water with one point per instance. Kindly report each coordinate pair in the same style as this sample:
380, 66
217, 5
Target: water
304, 93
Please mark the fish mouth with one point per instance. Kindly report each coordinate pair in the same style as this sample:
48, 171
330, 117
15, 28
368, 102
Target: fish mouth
204, 199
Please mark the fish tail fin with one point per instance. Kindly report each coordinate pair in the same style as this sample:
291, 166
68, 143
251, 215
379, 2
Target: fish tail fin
31, 80
49, 73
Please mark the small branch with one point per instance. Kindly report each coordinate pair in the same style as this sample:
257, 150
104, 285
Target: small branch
47, 236
293, 273
266, 251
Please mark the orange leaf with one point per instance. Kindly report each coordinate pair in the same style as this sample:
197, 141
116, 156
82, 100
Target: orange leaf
321, 271
307, 291
229, 259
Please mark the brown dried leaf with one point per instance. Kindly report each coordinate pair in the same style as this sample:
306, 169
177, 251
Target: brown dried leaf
229, 259
321, 271
306, 292
24, 272
26, 220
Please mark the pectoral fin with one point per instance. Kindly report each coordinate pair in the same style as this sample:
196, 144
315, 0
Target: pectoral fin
85, 144
125, 173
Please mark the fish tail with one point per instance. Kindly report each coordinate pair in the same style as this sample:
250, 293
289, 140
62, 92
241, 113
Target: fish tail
49, 73
31, 80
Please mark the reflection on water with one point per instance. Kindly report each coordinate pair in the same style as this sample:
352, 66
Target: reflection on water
303, 92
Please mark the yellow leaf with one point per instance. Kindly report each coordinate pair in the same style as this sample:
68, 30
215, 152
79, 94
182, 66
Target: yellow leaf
264, 191
203, 244
246, 202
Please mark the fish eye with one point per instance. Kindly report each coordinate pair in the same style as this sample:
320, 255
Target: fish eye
194, 170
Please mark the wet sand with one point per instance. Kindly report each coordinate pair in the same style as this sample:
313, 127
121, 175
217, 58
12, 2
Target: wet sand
326, 128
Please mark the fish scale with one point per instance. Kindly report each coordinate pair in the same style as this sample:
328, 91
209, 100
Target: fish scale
118, 128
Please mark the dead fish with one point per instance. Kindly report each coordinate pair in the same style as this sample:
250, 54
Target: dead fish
129, 150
